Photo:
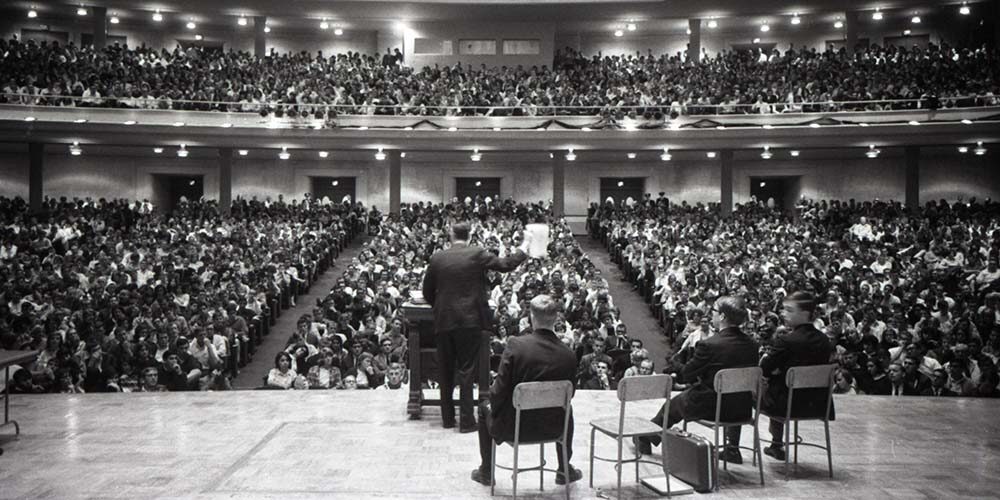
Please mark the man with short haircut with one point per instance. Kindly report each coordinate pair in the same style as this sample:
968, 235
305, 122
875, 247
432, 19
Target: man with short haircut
730, 348
896, 379
171, 376
537, 356
587, 368
914, 382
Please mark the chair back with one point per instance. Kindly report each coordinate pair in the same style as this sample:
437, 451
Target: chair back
732, 380
535, 395
810, 377
644, 387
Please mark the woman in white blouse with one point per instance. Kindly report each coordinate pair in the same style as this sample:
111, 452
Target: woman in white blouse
282, 376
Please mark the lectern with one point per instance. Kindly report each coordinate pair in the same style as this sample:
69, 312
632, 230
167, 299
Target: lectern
419, 324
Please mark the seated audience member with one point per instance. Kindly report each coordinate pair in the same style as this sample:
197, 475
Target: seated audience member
538, 356
958, 382
282, 376
394, 378
844, 382
171, 375
599, 377
939, 385
150, 381
587, 369
730, 348
914, 382
897, 380
804, 345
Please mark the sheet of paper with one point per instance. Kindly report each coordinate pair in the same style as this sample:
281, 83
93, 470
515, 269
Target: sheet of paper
538, 238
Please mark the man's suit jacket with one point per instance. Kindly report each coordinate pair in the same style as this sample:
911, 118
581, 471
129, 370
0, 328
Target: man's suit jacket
803, 346
455, 286
536, 357
730, 348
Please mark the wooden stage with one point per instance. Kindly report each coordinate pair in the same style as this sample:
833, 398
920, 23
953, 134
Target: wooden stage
359, 445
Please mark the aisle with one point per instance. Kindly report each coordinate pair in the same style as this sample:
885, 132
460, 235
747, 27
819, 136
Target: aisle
635, 312
251, 376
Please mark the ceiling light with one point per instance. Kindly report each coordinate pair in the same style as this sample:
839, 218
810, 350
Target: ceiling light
872, 152
380, 155
720, 127
324, 154
402, 154
338, 31
863, 124
182, 152
363, 127
585, 129
906, 32
838, 24
915, 20
408, 128
964, 9
191, 25
29, 118
324, 25
710, 154
476, 156
914, 122
452, 129
157, 16
226, 125
80, 120
619, 33
767, 126
765, 27
621, 183
551, 156
963, 149
712, 24
631, 156
497, 129
129, 122
877, 15
479, 183
980, 150
666, 155
267, 29
178, 124
198, 37
335, 183
158, 150
796, 19
794, 153
570, 155
114, 20
75, 149
763, 183
81, 11
756, 40
32, 14
630, 26
243, 152
284, 154
966, 121
766, 154
689, 31
813, 125
242, 21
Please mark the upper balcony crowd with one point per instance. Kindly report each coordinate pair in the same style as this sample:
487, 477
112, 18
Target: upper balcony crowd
322, 86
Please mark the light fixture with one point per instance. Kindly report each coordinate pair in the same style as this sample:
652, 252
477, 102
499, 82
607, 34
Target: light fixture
198, 37
621, 183
914, 123
619, 33
763, 183
551, 156
665, 156
157, 16
324, 154
267, 29
182, 152
767, 126
720, 127
75, 149
585, 129
129, 122
794, 153
766, 153
814, 125
689, 31
710, 154
963, 149
475, 155
796, 19
324, 25
915, 20
872, 152
838, 24
906, 32
338, 31
114, 19
226, 125
81, 11
80, 120
380, 155
964, 9
630, 26
966, 121
242, 21
479, 183
570, 155
631, 156
452, 129
402, 154
863, 124
284, 154
191, 25
178, 124
243, 152
408, 128
32, 14
756, 40
158, 150
877, 15
192, 182
765, 27
980, 150
712, 24
29, 118
497, 129
363, 127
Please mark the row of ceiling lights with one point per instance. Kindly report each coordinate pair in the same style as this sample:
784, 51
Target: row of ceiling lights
872, 152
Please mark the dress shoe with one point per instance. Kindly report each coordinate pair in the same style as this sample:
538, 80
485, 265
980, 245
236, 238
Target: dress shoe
777, 452
468, 425
574, 475
448, 424
642, 446
482, 477
731, 455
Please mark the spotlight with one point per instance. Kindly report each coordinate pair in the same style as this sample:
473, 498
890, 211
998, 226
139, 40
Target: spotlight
242, 21
324, 154
963, 149
796, 20
980, 150
475, 155
570, 155
964, 9
766, 154
158, 150
324, 25
338, 31
157, 17
631, 156
915, 20
877, 15
243, 152
191, 25
284, 154
710, 154
619, 33
114, 20
182, 152
765, 27
872, 152
630, 26
32, 14
81, 11
794, 153
712, 24
75, 149
665, 156
380, 155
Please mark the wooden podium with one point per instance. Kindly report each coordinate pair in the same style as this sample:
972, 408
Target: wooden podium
422, 343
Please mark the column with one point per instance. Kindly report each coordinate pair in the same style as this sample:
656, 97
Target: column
259, 37
395, 177
996, 23
225, 180
851, 30
36, 162
694, 40
726, 158
558, 186
99, 26
912, 154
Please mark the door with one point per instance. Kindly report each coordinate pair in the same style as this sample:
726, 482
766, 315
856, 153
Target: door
471, 187
620, 189
337, 189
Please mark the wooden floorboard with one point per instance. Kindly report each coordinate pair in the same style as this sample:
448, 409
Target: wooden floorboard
337, 444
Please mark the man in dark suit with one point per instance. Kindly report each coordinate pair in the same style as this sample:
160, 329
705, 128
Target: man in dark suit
536, 357
730, 348
803, 346
455, 286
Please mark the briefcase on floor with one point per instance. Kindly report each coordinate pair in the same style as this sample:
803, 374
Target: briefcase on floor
691, 459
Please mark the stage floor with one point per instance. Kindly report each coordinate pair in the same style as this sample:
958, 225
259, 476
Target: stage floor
301, 444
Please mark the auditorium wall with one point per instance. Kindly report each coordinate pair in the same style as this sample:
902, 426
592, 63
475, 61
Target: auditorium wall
455, 32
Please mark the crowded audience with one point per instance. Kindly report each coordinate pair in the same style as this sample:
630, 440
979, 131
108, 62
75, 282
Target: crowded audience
118, 296
642, 85
909, 298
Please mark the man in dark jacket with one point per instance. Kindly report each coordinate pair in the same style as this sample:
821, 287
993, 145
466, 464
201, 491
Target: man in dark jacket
730, 348
455, 286
803, 346
539, 356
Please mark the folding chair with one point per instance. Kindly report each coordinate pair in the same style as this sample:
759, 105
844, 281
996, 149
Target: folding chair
807, 377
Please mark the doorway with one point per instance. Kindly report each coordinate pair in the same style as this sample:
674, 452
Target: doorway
620, 189
471, 187
169, 190
337, 189
783, 190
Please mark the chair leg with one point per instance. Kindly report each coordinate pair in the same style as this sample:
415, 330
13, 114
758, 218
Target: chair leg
618, 466
829, 450
788, 431
493, 467
592, 435
565, 449
515, 472
757, 454
725, 465
541, 468
796, 445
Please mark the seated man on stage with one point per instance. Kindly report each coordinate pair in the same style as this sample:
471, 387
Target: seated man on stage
730, 348
539, 356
